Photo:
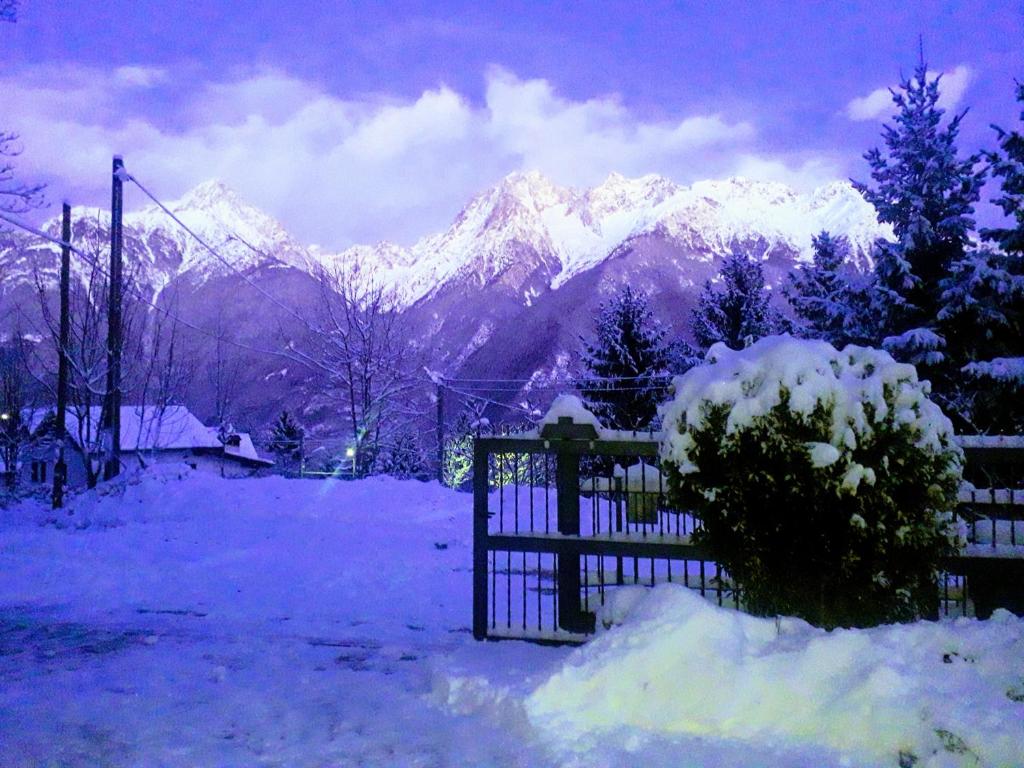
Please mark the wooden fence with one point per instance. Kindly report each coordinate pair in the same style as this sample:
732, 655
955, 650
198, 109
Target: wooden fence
564, 518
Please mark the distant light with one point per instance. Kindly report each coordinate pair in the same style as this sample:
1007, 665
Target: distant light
349, 452
4, 416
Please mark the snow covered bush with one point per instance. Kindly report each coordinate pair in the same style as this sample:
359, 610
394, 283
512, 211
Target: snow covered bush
824, 479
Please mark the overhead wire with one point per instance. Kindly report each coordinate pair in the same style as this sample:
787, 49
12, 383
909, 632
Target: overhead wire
130, 287
254, 285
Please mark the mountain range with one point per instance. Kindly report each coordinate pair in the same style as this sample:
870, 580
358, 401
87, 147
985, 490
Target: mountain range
503, 293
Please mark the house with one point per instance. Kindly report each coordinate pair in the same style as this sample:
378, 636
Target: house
167, 435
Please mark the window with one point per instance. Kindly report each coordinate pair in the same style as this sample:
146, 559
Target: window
35, 471
38, 471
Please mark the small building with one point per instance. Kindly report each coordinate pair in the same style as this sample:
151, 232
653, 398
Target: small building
168, 435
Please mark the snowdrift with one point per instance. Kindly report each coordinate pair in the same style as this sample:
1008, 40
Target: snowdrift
929, 694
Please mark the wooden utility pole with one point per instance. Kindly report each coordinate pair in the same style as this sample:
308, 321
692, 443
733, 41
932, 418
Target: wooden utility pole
440, 431
113, 398
60, 471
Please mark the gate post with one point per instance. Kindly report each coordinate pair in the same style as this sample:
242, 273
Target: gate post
479, 540
567, 485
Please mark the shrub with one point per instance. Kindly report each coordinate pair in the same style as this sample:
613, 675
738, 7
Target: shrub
823, 479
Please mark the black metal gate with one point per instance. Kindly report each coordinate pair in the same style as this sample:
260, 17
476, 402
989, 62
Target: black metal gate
564, 518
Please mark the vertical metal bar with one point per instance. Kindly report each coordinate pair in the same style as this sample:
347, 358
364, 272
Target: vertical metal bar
661, 495
524, 590
963, 593
616, 482
586, 582
702, 578
494, 589
499, 462
480, 542
540, 592
718, 581
1013, 520
554, 592
515, 488
508, 590
547, 493
533, 485
643, 496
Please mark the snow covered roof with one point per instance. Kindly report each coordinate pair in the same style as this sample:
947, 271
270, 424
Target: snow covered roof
151, 428
143, 427
240, 446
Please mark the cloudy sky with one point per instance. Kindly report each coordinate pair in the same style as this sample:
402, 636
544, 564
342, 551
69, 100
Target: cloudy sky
355, 122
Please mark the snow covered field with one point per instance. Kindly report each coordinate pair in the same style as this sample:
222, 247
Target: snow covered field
202, 622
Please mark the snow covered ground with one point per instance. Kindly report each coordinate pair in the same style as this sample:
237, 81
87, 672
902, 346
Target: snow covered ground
193, 621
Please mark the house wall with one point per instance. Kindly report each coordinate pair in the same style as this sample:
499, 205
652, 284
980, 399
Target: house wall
187, 459
45, 455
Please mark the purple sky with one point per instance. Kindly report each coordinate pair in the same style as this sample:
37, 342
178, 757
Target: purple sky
353, 122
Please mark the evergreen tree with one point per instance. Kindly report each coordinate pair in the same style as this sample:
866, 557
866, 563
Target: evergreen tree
286, 438
1007, 165
626, 363
738, 312
984, 304
402, 458
828, 297
927, 193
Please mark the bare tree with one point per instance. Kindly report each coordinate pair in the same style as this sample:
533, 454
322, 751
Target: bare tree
361, 348
154, 370
15, 196
160, 374
224, 374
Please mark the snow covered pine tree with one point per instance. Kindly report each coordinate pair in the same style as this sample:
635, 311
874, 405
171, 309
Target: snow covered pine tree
828, 296
927, 193
286, 438
740, 312
626, 363
984, 303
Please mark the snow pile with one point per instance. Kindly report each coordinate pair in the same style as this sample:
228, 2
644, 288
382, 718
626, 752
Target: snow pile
570, 406
929, 694
859, 387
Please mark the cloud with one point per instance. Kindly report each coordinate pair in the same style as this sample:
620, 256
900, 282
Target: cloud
342, 170
879, 104
141, 77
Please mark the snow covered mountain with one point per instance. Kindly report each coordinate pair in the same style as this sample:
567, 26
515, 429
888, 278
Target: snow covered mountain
505, 290
529, 224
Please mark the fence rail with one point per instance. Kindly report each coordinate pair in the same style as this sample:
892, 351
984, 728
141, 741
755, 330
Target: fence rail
563, 519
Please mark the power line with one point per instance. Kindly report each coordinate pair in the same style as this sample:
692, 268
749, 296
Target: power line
129, 286
589, 378
266, 294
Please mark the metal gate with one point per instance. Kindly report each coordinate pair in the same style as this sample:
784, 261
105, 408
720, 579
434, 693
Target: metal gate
563, 519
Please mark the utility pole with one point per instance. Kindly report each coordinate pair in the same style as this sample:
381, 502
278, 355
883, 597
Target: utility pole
113, 398
60, 471
440, 430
